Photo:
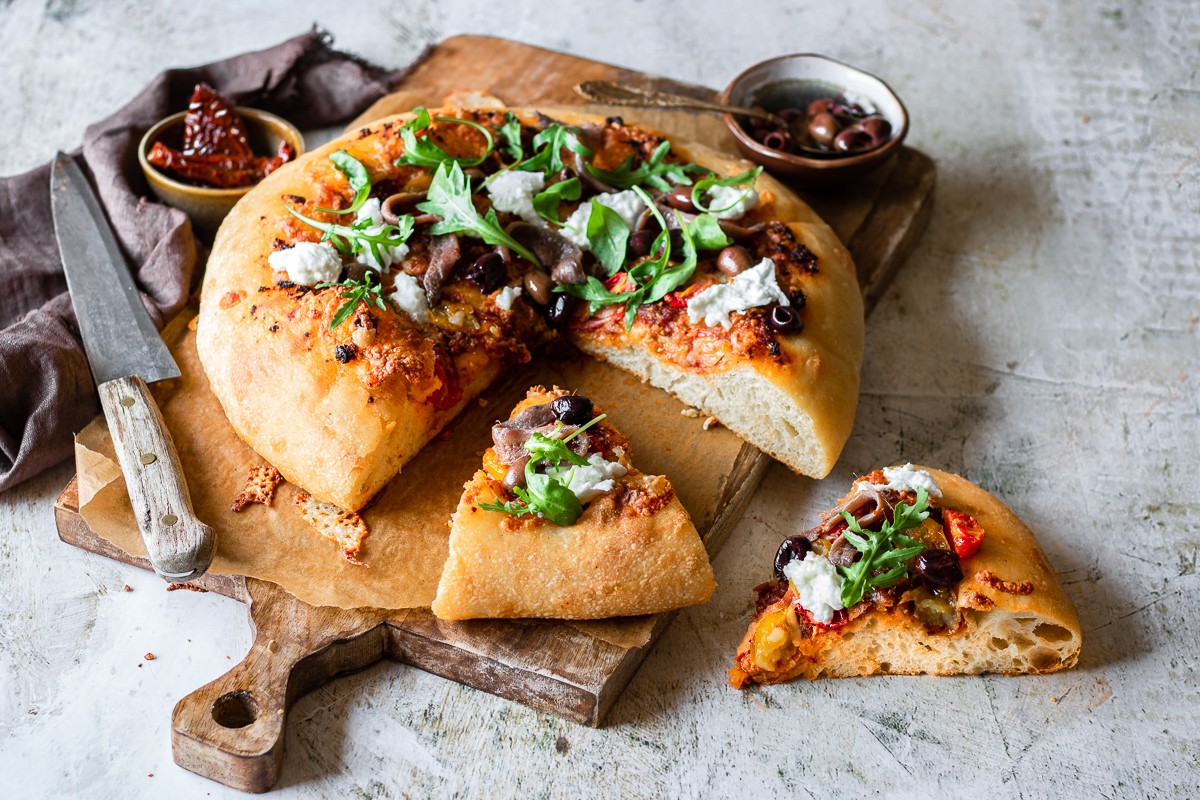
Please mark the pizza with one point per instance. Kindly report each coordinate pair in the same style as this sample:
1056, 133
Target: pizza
359, 297
915, 571
559, 523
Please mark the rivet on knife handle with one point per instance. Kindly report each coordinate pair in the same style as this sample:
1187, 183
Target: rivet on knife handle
179, 545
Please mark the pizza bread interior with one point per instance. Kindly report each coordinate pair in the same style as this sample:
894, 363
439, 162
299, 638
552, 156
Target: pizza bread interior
915, 572
356, 299
560, 524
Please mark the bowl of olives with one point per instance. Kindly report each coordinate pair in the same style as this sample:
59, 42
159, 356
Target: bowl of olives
824, 121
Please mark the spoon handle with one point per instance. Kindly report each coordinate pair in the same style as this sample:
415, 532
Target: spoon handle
617, 94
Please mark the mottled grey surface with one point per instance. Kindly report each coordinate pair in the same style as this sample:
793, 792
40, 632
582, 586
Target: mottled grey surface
1044, 340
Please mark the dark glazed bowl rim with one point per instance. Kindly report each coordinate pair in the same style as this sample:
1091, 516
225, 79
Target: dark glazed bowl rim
805, 163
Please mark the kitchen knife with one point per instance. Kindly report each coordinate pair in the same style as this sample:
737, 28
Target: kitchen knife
125, 352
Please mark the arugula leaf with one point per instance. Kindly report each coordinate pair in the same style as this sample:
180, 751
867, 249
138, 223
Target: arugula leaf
510, 136
355, 292
424, 152
653, 171
357, 238
706, 232
608, 236
449, 197
357, 175
887, 549
653, 277
702, 186
548, 146
546, 203
543, 494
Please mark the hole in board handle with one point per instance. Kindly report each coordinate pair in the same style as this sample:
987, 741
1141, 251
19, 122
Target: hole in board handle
235, 709
169, 519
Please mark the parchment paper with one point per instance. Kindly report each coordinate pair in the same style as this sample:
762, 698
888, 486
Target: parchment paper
409, 524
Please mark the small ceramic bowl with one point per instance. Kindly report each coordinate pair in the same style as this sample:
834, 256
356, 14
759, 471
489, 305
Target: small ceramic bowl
807, 77
208, 206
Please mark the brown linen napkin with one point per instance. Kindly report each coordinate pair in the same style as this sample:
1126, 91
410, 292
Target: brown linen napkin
46, 391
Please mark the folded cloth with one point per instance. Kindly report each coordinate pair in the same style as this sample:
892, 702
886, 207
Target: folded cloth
46, 391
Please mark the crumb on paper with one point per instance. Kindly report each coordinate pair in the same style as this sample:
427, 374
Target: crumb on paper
690, 413
1085, 119
710, 422
149, 656
483, 403
261, 483
191, 587
346, 529
193, 323
127, 588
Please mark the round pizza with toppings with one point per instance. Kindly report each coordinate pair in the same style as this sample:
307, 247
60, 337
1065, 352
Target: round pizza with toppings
915, 571
356, 299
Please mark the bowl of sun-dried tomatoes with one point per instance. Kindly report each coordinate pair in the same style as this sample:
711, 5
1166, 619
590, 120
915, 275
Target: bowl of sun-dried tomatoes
204, 159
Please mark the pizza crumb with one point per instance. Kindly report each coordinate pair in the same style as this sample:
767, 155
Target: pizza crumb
483, 403
193, 323
710, 422
127, 588
691, 413
1053, 699
149, 656
346, 529
261, 483
191, 587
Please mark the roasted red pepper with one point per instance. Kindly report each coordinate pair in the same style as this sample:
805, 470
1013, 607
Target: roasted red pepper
449, 393
966, 534
840, 618
680, 297
620, 283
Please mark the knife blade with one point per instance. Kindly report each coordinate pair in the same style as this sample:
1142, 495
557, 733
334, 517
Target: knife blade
125, 352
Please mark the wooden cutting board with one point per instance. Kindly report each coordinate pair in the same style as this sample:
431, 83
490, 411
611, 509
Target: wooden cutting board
232, 729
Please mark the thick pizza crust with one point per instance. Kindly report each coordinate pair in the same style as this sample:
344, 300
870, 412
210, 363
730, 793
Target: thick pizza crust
632, 551
1005, 633
612, 562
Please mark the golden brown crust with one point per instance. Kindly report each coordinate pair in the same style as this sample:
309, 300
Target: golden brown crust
1018, 626
633, 551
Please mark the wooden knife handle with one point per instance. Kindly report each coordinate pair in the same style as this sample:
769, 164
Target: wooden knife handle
179, 546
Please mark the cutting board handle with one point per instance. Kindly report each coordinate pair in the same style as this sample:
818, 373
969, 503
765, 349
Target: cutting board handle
231, 730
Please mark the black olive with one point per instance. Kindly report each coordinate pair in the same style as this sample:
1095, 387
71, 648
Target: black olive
794, 548
784, 319
775, 141
878, 128
640, 242
822, 128
939, 568
487, 272
573, 409
852, 140
559, 310
681, 197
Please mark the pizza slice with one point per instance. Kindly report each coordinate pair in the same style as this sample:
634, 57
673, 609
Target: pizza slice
559, 524
916, 571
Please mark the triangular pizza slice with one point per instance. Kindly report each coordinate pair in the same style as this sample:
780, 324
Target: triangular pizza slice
916, 571
559, 524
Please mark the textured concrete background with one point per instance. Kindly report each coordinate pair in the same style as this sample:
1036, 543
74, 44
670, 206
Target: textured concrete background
1043, 340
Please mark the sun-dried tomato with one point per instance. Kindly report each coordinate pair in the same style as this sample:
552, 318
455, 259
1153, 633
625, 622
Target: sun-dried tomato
449, 393
215, 150
966, 534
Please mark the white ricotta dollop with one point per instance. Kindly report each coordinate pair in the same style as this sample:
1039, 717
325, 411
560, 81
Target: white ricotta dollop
308, 263
626, 203
750, 288
370, 212
506, 297
512, 191
591, 481
409, 297
908, 479
818, 586
730, 202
